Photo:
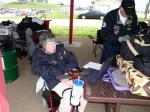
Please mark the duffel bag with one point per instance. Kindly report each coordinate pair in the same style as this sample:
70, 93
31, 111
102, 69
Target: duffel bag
137, 49
137, 45
142, 64
138, 82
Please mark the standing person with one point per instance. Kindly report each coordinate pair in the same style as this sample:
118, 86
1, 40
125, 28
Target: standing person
117, 26
52, 62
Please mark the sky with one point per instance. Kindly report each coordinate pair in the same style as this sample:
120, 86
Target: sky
141, 4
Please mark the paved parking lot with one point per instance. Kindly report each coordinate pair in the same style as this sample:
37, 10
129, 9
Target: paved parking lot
77, 22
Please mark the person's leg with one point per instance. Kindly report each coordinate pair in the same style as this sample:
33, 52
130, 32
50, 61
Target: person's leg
62, 90
107, 52
65, 105
60, 87
65, 102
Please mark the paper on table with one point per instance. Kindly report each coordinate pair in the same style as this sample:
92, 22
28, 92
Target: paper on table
93, 65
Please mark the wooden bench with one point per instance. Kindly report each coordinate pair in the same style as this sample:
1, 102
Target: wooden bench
103, 92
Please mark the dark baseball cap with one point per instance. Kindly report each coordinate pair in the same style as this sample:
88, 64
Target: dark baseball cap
128, 6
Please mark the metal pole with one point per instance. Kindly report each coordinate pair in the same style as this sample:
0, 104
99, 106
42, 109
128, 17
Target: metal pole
71, 21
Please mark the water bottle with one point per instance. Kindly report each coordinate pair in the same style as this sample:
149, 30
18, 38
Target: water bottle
76, 92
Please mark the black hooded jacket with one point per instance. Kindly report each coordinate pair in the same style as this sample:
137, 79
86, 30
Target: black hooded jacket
49, 66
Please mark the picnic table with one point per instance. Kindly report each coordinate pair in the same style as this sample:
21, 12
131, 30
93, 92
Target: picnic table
103, 92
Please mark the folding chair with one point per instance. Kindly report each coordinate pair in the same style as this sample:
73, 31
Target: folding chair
50, 98
97, 43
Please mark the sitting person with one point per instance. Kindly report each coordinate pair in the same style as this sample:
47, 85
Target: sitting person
52, 62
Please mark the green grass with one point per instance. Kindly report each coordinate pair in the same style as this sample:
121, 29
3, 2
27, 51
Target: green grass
77, 31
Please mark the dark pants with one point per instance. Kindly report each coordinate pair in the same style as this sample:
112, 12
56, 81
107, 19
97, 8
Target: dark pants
109, 51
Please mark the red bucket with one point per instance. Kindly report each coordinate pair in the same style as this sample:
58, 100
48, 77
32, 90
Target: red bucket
47, 24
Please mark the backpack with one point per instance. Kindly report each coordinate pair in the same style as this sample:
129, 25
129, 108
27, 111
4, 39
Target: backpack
137, 49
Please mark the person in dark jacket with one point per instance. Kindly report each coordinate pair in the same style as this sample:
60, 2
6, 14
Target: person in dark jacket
118, 25
52, 62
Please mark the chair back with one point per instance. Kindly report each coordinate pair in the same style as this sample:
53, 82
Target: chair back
40, 84
99, 37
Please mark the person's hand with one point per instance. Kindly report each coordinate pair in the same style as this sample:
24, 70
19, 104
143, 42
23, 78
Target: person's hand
123, 38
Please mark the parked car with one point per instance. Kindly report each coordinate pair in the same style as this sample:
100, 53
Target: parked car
94, 14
